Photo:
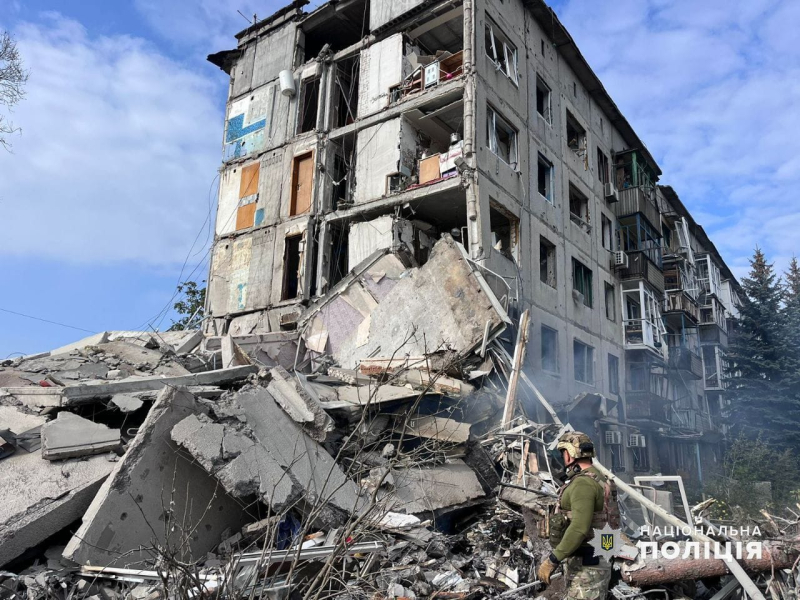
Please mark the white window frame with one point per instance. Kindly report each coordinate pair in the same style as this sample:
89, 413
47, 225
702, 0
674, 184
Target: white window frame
588, 351
548, 108
513, 154
509, 52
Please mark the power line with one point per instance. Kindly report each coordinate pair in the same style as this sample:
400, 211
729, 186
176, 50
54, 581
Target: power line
19, 314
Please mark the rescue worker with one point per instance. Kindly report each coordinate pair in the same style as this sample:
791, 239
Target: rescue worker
582, 507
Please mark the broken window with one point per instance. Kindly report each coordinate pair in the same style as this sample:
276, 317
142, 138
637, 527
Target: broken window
549, 349
641, 458
502, 138
583, 356
582, 281
611, 304
505, 231
302, 183
603, 172
339, 242
606, 233
545, 178
291, 267
617, 458
345, 92
576, 135
501, 51
613, 374
309, 104
579, 208
547, 262
544, 100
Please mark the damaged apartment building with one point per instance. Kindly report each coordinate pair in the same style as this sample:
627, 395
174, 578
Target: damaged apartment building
366, 125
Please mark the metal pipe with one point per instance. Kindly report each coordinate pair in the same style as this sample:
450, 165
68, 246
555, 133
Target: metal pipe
468, 61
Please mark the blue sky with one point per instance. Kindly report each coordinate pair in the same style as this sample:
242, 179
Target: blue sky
106, 200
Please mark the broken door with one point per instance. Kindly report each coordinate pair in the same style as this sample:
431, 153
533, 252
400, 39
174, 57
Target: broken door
302, 182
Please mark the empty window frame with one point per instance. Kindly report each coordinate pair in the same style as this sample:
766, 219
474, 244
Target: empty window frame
606, 233
544, 100
611, 304
603, 169
501, 51
641, 459
547, 262
613, 374
502, 137
291, 267
505, 231
308, 106
583, 357
579, 208
345, 92
576, 135
545, 178
549, 349
582, 281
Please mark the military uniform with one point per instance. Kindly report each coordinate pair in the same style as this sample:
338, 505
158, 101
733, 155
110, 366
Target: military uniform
581, 508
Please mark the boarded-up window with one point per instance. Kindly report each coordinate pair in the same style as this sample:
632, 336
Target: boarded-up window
248, 194
302, 182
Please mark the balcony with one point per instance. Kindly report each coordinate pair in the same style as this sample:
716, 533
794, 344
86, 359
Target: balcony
646, 406
692, 420
641, 267
713, 334
677, 301
634, 200
683, 359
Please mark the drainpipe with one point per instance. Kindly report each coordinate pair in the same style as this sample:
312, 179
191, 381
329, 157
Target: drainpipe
469, 130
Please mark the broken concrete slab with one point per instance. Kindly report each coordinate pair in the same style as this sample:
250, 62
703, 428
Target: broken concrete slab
155, 496
92, 340
127, 403
80, 394
41, 497
444, 305
232, 354
278, 348
71, 436
33, 397
427, 490
309, 466
17, 421
298, 404
435, 428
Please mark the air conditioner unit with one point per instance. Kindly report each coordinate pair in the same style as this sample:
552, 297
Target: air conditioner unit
613, 438
577, 296
636, 440
610, 192
621, 259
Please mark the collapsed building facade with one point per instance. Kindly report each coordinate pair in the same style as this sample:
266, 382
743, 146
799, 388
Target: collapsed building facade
366, 125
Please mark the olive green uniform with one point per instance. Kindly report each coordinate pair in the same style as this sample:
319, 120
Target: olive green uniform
582, 502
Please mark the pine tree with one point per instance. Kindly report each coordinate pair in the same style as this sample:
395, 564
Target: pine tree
758, 360
791, 323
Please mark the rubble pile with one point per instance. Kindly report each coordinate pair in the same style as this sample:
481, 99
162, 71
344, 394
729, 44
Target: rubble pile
382, 461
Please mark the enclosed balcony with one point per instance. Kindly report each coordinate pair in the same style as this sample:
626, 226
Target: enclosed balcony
641, 267
635, 200
635, 182
713, 365
680, 291
692, 420
687, 361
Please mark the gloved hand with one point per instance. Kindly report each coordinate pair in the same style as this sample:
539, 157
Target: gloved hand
547, 568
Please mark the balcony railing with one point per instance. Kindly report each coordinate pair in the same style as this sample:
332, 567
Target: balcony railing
646, 406
634, 200
690, 419
711, 333
684, 359
640, 267
678, 301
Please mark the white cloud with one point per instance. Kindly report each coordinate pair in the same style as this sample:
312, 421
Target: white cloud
118, 150
713, 88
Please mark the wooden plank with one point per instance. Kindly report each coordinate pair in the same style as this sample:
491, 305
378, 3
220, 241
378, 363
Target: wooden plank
429, 169
516, 367
302, 183
248, 184
245, 216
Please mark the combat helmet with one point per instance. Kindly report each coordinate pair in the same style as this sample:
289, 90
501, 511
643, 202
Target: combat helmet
577, 444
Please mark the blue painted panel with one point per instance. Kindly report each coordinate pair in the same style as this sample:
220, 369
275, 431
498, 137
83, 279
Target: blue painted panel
236, 128
259, 216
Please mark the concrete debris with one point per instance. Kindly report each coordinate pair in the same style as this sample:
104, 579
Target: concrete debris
71, 436
299, 404
155, 498
127, 403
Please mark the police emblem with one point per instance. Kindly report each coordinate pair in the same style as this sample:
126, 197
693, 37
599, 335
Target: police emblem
606, 542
